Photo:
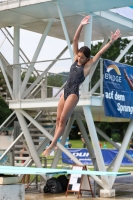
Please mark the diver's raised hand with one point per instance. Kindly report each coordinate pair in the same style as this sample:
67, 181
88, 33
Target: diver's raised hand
85, 20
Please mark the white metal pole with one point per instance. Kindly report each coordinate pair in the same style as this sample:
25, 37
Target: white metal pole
95, 143
6, 79
101, 79
16, 68
44, 88
86, 139
28, 74
124, 51
65, 31
95, 87
9, 118
112, 142
87, 42
95, 66
122, 150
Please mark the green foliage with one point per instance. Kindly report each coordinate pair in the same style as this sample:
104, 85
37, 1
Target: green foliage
4, 111
116, 137
31, 79
114, 51
54, 80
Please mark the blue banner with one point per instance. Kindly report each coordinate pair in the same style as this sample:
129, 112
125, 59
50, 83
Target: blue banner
118, 90
83, 156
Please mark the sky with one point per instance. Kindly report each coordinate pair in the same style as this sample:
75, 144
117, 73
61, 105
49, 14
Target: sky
29, 41
51, 48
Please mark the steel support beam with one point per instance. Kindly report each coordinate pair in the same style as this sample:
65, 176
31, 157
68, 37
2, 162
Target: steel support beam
65, 31
101, 79
122, 150
113, 143
87, 42
86, 139
6, 79
95, 143
16, 68
95, 66
31, 67
124, 51
115, 18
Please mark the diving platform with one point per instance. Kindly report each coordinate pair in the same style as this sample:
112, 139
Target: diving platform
50, 105
33, 15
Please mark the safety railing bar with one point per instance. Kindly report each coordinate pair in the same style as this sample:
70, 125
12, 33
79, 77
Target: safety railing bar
57, 74
41, 61
3, 40
60, 90
7, 119
8, 124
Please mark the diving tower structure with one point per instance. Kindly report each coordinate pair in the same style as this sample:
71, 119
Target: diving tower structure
60, 19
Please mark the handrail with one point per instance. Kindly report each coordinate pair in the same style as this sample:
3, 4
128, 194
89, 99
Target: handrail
7, 119
41, 61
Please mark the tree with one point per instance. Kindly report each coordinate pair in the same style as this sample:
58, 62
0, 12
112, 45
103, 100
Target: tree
4, 111
114, 51
54, 80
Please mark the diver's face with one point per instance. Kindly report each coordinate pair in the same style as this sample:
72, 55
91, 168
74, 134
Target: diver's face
82, 59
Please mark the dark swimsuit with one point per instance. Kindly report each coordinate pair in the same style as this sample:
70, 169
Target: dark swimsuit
76, 77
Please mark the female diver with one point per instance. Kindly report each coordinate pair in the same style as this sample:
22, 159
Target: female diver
78, 72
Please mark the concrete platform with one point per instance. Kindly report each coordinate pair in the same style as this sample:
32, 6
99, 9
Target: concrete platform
123, 190
127, 196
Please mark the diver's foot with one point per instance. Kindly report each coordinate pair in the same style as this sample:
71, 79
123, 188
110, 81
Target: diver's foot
27, 186
48, 151
55, 148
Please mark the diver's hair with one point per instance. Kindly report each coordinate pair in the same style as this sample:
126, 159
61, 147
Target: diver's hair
86, 51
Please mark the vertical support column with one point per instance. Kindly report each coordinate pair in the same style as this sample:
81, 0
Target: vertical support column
87, 42
44, 88
87, 141
97, 150
16, 68
101, 79
65, 31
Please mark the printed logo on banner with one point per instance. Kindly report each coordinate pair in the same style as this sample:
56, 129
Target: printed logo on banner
80, 154
108, 156
110, 67
118, 90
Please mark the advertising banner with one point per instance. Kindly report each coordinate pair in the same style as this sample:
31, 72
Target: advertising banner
84, 157
118, 89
